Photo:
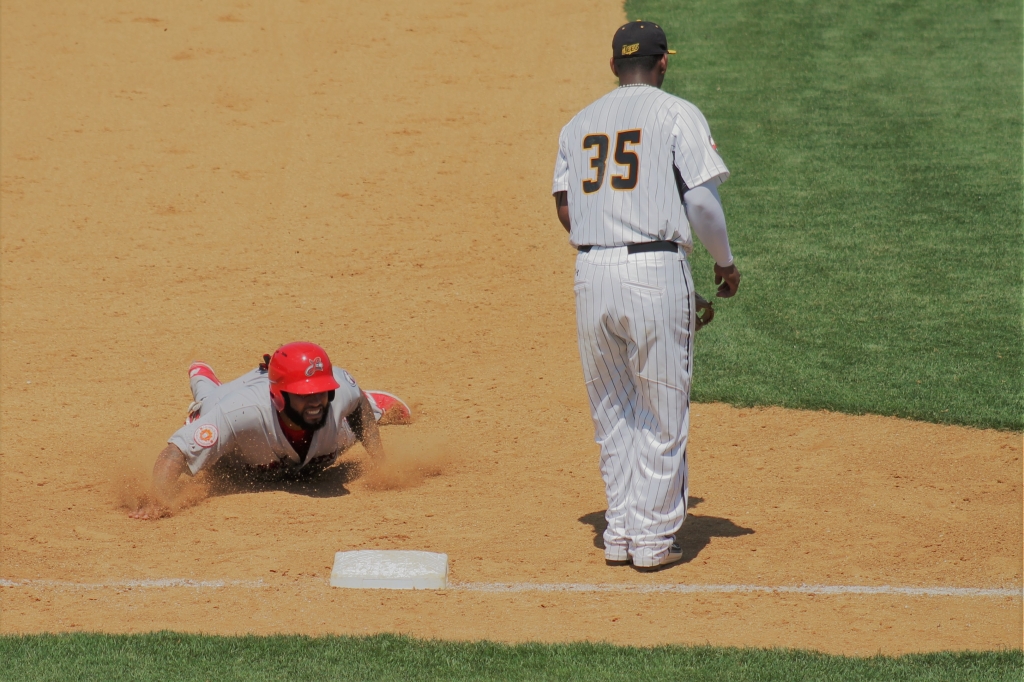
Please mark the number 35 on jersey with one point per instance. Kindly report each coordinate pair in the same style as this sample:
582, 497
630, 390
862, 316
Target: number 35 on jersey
625, 157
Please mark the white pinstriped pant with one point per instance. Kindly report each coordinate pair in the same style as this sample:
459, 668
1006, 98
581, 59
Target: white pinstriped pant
635, 330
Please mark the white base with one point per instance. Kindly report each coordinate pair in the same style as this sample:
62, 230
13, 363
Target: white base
392, 569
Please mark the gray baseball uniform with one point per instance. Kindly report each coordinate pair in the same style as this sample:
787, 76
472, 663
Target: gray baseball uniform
239, 425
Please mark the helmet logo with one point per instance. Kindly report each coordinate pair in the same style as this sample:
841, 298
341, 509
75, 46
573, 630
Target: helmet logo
315, 365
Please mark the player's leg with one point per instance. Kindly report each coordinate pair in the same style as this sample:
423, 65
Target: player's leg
658, 295
604, 355
203, 382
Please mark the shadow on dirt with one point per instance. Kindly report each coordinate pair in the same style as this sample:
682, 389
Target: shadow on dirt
694, 536
329, 483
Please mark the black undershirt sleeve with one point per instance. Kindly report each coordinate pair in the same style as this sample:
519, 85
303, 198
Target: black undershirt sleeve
355, 420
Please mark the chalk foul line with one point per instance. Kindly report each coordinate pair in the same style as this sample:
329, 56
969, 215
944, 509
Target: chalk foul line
726, 589
674, 588
130, 584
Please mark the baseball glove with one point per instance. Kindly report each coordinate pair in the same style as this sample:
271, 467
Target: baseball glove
705, 312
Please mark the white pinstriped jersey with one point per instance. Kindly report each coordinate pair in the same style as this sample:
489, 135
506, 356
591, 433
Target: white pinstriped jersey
616, 158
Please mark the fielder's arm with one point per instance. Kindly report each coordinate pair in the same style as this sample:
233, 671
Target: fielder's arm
364, 426
170, 465
562, 206
704, 211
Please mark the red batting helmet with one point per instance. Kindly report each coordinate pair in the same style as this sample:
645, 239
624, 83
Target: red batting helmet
301, 368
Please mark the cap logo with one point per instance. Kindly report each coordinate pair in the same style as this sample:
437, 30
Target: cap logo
315, 365
630, 49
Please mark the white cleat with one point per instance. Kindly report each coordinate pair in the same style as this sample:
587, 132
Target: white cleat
675, 553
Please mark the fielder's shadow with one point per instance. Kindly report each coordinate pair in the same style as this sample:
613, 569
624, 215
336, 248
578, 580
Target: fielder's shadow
329, 483
693, 537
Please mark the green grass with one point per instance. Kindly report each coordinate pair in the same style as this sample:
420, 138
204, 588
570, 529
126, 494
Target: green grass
875, 203
171, 656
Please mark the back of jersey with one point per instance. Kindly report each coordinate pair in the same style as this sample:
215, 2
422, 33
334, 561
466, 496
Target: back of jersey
625, 162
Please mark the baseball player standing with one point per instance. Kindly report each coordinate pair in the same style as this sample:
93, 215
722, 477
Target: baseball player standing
635, 171
290, 418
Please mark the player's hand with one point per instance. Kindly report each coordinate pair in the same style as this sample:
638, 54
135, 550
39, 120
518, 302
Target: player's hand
704, 312
727, 279
149, 512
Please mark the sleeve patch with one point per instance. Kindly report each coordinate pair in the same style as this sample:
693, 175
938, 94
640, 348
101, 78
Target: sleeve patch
205, 436
349, 379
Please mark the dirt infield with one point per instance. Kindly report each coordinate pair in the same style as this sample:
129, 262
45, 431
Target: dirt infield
210, 180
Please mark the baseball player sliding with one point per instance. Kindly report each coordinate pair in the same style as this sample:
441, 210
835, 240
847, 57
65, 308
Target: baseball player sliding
635, 171
290, 418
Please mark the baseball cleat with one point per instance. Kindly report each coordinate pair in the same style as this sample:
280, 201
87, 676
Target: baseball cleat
394, 410
675, 553
201, 369
616, 556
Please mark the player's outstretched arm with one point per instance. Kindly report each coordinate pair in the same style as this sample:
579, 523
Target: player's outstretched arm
562, 206
170, 465
364, 426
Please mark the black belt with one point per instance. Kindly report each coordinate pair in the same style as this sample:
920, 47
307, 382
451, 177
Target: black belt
640, 248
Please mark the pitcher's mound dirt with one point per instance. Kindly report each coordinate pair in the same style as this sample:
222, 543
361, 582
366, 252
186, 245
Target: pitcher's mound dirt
208, 181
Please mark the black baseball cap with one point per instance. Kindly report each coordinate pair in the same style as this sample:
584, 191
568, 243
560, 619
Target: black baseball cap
640, 39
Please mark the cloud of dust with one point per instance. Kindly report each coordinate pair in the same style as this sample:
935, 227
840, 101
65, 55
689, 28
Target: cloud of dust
410, 458
132, 483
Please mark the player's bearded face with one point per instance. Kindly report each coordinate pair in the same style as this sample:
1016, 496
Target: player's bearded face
308, 411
